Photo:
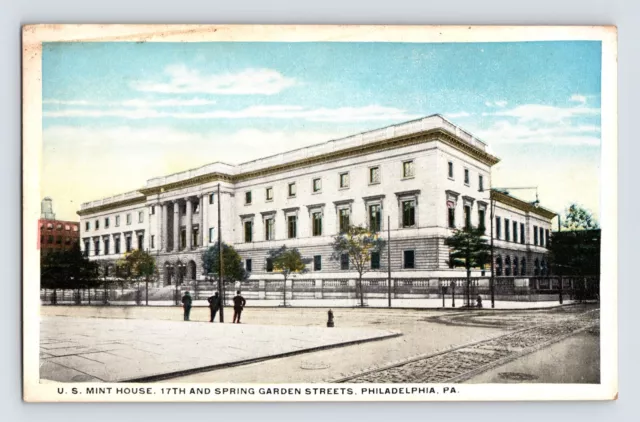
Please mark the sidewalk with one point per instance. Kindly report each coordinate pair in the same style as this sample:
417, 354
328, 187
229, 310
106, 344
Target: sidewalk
352, 303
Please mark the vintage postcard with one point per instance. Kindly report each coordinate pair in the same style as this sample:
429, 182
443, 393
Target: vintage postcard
319, 213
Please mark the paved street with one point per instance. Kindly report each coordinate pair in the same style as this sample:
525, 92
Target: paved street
452, 334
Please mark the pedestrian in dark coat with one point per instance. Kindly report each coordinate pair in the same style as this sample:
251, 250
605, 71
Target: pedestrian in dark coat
238, 306
214, 306
186, 304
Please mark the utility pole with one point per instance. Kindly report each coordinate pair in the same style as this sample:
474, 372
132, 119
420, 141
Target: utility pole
220, 261
389, 256
492, 281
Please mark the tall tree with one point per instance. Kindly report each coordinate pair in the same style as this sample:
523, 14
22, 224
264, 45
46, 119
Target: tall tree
579, 218
358, 243
287, 261
141, 266
575, 252
233, 269
468, 249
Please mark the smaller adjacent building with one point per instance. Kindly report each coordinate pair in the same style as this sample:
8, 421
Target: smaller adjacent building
55, 235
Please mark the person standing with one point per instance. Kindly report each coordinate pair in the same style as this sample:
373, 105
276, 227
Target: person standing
214, 306
186, 304
238, 306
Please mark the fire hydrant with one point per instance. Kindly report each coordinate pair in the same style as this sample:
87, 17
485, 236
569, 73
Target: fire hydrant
330, 320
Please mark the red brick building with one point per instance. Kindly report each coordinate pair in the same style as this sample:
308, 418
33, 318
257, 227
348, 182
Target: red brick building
55, 235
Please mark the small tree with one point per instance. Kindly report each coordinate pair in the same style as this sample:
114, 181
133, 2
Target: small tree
578, 218
141, 266
287, 261
231, 260
469, 249
358, 243
68, 269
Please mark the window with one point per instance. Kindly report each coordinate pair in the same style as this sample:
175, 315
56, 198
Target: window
117, 221
546, 237
87, 225
467, 216
153, 241
86, 248
409, 260
269, 194
507, 265
269, 229
152, 210
183, 209
452, 217
507, 230
50, 239
408, 213
499, 265
195, 237
67, 240
140, 216
292, 189
141, 242
248, 264
466, 176
515, 265
480, 183
344, 261
248, 231
515, 232
50, 226
317, 223
481, 223
67, 227
498, 228
106, 246
97, 224
344, 180
127, 241
59, 240
128, 219
316, 185
116, 244
523, 266
407, 169
317, 263
247, 198
75, 228
375, 218
541, 236
522, 237
450, 170
292, 226
344, 219
535, 236
374, 175
59, 227
375, 260
211, 197
211, 234
269, 265
106, 223
96, 246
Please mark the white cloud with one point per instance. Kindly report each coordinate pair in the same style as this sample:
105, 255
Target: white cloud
248, 81
545, 113
578, 98
342, 114
506, 132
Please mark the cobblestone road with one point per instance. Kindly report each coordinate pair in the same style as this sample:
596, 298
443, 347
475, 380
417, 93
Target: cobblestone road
460, 364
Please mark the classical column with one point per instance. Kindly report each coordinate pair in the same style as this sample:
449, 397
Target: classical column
189, 223
176, 226
164, 236
203, 207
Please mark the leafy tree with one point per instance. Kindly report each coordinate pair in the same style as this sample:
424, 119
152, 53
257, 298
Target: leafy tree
468, 249
287, 261
575, 252
233, 269
358, 243
68, 269
578, 218
139, 265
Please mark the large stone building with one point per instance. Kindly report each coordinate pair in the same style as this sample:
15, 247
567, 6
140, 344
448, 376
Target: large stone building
423, 178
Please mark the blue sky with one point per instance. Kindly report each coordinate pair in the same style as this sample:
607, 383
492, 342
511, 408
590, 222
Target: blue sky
116, 114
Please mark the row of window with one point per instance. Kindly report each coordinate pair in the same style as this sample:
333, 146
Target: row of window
116, 243
519, 267
58, 240
540, 235
408, 262
450, 174
67, 227
107, 220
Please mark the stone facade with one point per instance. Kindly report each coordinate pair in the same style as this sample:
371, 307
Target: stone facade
416, 181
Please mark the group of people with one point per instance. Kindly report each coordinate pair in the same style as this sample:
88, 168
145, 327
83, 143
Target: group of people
214, 306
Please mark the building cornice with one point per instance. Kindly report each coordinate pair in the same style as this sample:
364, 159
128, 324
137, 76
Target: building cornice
112, 205
521, 205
